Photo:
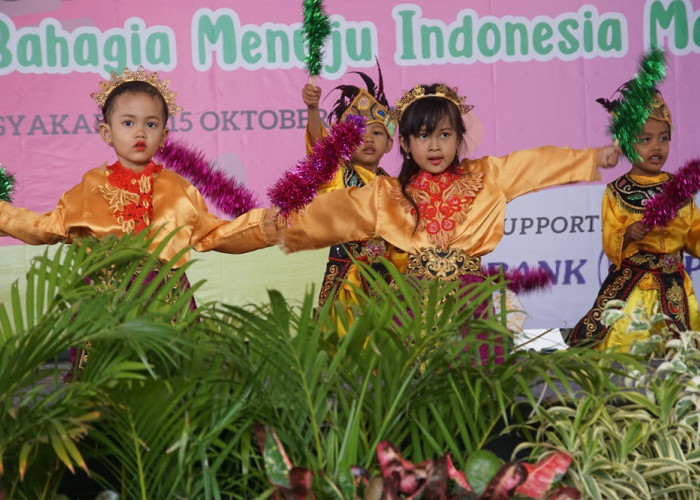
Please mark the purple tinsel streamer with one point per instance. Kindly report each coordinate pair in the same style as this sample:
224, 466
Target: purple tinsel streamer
524, 281
298, 186
224, 192
662, 207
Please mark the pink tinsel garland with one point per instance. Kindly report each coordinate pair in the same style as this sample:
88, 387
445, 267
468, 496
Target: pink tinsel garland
298, 186
662, 207
224, 192
524, 281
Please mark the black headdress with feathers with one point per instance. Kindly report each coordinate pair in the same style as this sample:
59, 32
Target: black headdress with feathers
611, 105
349, 92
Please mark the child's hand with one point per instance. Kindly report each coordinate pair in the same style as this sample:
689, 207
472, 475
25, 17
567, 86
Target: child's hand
635, 232
311, 95
607, 156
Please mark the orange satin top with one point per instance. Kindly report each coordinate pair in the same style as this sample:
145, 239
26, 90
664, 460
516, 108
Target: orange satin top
681, 234
380, 208
177, 204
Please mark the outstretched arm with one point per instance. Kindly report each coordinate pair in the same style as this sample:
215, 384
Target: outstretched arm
253, 230
332, 218
529, 170
31, 227
311, 96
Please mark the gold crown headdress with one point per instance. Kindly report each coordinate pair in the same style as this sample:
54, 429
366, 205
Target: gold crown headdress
659, 110
140, 75
366, 106
418, 92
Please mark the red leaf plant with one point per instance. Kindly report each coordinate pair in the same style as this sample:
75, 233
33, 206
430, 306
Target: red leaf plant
541, 475
428, 479
435, 479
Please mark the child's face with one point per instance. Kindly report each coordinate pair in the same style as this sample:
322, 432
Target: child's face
434, 152
375, 144
652, 146
136, 129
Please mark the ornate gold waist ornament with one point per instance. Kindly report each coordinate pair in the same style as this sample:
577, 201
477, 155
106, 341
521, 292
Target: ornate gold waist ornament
447, 264
658, 262
371, 250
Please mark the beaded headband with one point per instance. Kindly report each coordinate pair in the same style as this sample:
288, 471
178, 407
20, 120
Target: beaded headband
366, 106
140, 75
418, 92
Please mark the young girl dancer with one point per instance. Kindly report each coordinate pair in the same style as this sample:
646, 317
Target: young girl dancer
133, 193
445, 212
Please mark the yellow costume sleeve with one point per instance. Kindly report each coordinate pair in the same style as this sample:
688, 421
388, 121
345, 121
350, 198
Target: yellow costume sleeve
243, 234
334, 217
529, 170
307, 138
82, 211
615, 222
177, 206
692, 242
30, 227
335, 183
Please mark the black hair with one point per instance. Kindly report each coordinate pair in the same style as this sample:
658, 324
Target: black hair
425, 114
133, 87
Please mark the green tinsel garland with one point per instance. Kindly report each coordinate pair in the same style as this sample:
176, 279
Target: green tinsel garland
630, 116
7, 184
317, 27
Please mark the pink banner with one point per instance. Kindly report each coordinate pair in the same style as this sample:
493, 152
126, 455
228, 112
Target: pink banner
532, 69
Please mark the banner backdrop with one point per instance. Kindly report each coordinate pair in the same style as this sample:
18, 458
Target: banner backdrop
532, 69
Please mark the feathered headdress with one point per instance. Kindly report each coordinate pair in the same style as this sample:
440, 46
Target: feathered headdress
370, 103
638, 101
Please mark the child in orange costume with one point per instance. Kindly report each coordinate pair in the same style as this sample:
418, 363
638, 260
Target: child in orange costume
445, 212
134, 193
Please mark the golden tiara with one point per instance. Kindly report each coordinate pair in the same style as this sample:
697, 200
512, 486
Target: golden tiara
659, 109
140, 75
418, 92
